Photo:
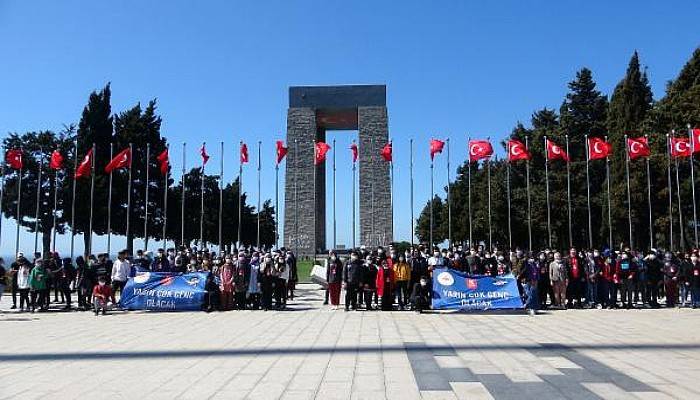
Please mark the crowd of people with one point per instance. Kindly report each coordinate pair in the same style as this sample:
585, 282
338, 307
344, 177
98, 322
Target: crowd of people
385, 279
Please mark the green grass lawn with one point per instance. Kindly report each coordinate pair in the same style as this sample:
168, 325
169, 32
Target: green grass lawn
304, 269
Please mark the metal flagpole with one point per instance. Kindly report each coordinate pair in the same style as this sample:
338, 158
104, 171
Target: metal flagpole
72, 214
546, 179
449, 208
651, 221
354, 194
588, 196
277, 204
55, 204
145, 207
313, 143
411, 194
128, 195
527, 185
335, 243
38, 200
109, 203
221, 196
681, 233
629, 196
391, 187
240, 196
488, 177
165, 200
182, 203
296, 198
92, 200
670, 192
469, 196
692, 183
432, 194
371, 181
568, 191
607, 177
201, 205
510, 237
258, 222
19, 203
2, 189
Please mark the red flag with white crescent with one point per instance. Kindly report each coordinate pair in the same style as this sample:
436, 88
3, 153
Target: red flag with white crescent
680, 147
13, 158
281, 151
353, 148
321, 149
121, 160
517, 151
479, 149
436, 147
85, 166
244, 153
163, 162
56, 162
598, 148
555, 152
387, 152
695, 134
638, 147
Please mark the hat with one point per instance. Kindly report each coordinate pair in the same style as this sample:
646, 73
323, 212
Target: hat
20, 254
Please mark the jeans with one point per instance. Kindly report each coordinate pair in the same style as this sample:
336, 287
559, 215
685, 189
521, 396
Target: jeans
592, 293
351, 296
531, 296
402, 295
628, 286
695, 296
2, 290
685, 291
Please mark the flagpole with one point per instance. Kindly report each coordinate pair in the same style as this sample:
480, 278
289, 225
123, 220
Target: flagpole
588, 195
411, 194
692, 183
201, 202
629, 196
568, 191
2, 189
334, 209
391, 187
651, 221
681, 233
258, 222
510, 232
165, 200
221, 196
128, 196
182, 203
277, 204
38, 200
670, 192
607, 177
55, 202
432, 195
449, 208
109, 202
92, 199
19, 203
145, 207
72, 214
315, 189
488, 177
527, 186
240, 195
469, 195
371, 160
354, 194
546, 178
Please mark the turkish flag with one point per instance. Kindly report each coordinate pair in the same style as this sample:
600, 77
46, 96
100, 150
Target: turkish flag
479, 149
281, 151
387, 152
321, 149
353, 148
203, 153
680, 147
163, 161
517, 151
85, 166
14, 158
436, 147
638, 147
555, 152
244, 153
695, 134
56, 162
121, 160
598, 148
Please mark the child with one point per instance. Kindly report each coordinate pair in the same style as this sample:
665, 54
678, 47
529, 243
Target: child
102, 294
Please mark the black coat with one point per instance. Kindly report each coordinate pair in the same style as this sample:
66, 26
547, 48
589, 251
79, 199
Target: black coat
352, 272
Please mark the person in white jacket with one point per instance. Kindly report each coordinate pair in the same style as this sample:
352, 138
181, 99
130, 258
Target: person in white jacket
120, 272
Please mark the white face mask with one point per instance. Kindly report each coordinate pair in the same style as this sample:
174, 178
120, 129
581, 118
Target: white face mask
333, 258
101, 283
423, 283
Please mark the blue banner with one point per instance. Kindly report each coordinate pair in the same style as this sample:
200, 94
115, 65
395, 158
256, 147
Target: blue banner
455, 290
164, 291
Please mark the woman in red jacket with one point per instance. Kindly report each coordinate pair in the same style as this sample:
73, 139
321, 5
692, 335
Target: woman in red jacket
385, 285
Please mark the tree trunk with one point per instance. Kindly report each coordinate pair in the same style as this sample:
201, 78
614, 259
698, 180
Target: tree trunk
46, 242
86, 241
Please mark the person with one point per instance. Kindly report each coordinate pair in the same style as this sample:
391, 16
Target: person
267, 282
334, 278
22, 281
103, 296
120, 272
14, 267
280, 273
160, 262
502, 267
544, 284
253, 293
368, 281
695, 282
421, 294
591, 270
55, 268
85, 281
385, 285
182, 262
352, 272
530, 275
576, 279
67, 276
670, 281
627, 270
38, 285
603, 279
558, 277
684, 274
212, 296
473, 263
3, 278
226, 284
292, 276
402, 274
419, 267
654, 278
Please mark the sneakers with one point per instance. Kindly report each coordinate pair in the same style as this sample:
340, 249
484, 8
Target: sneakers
531, 312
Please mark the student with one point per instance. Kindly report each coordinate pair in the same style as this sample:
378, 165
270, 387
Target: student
420, 297
38, 284
22, 282
120, 272
385, 285
334, 277
402, 273
352, 273
103, 296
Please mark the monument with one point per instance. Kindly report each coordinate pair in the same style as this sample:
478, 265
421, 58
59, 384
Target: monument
313, 110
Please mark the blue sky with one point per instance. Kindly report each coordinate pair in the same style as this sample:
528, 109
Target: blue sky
221, 69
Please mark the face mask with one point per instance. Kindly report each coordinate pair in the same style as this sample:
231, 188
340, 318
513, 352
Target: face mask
542, 258
353, 258
436, 254
693, 259
101, 283
423, 283
333, 258
596, 254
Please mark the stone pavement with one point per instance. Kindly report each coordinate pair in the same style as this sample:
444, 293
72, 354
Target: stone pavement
312, 352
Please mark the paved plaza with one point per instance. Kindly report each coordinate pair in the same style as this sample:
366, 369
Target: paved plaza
312, 352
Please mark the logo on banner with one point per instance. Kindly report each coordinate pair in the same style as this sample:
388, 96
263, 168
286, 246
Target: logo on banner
142, 277
472, 284
446, 279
